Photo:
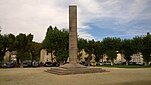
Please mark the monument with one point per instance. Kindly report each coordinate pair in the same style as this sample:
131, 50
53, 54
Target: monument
72, 39
73, 67
72, 34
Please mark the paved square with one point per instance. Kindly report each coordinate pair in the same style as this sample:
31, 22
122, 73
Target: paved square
37, 76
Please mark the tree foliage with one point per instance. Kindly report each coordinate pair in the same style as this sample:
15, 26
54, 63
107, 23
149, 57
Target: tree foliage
146, 51
35, 50
3, 45
23, 46
57, 40
99, 50
111, 46
11, 42
82, 44
137, 44
127, 49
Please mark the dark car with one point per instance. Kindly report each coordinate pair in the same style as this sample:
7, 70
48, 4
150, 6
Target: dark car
27, 63
51, 64
55, 64
9, 65
1, 64
35, 64
48, 64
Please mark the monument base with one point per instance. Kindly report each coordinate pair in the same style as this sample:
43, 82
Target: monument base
68, 69
70, 65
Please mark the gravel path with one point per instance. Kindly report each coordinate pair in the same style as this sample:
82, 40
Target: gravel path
37, 76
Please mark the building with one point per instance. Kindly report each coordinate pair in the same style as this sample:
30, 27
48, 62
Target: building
137, 58
46, 56
10, 56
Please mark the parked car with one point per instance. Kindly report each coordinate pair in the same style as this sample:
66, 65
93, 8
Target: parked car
48, 64
35, 64
51, 64
27, 63
0, 64
55, 64
9, 64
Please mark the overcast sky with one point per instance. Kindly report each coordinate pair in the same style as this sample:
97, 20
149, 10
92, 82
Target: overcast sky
97, 19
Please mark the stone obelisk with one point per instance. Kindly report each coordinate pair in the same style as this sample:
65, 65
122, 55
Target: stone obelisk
73, 34
72, 38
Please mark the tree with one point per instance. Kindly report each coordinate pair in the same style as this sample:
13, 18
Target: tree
137, 44
82, 44
11, 42
62, 49
112, 54
111, 46
23, 45
35, 50
90, 49
127, 49
146, 51
3, 45
99, 50
7, 43
58, 41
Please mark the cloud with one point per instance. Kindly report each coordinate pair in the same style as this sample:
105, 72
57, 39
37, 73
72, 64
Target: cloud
124, 16
31, 16
82, 33
127, 17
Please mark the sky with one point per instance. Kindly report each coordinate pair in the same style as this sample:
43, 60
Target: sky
97, 19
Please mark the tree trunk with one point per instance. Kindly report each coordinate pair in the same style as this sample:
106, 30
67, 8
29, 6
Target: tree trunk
89, 59
112, 62
127, 63
102, 61
146, 63
52, 56
21, 64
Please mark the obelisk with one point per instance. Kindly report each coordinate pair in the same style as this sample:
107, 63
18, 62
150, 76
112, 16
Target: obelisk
72, 39
72, 34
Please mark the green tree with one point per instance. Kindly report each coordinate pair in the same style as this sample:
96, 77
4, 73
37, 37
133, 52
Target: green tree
127, 49
35, 50
111, 46
137, 44
23, 45
62, 51
146, 51
57, 40
3, 45
90, 49
82, 44
99, 50
11, 42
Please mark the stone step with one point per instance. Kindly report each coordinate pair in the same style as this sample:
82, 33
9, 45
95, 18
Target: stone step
63, 71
